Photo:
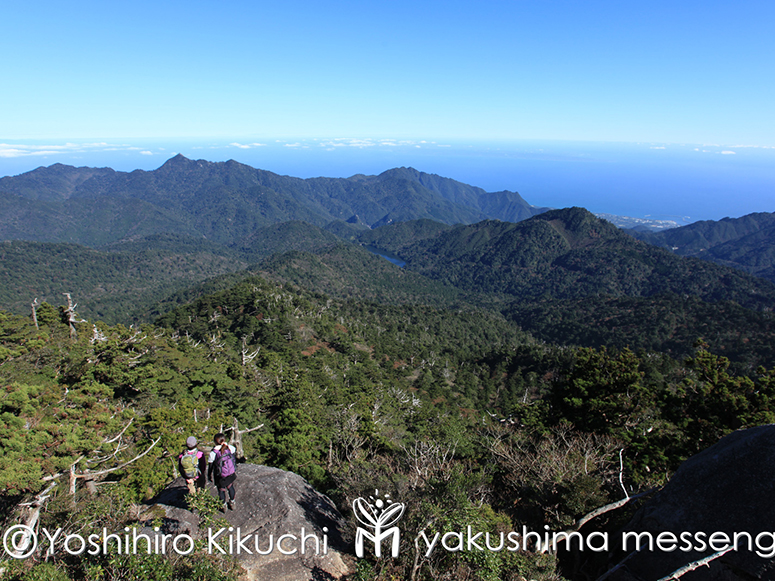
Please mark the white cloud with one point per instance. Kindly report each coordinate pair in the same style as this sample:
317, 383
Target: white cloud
247, 145
727, 152
339, 142
6, 151
356, 142
660, 147
146, 152
348, 142
26, 149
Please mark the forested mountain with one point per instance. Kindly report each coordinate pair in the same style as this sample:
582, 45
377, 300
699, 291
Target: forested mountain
666, 323
455, 413
117, 286
568, 254
566, 276
53, 183
123, 282
747, 243
82, 221
131, 281
227, 202
394, 237
505, 205
285, 237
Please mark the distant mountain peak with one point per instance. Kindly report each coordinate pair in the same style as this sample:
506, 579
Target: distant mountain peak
402, 172
181, 161
578, 225
573, 218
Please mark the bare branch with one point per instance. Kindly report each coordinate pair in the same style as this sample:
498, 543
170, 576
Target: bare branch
426, 459
417, 552
236, 439
597, 512
97, 335
246, 356
695, 565
41, 496
621, 472
103, 459
101, 472
609, 507
121, 433
34, 306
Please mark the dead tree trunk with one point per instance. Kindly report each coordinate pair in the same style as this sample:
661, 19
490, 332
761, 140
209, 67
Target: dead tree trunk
236, 437
34, 306
70, 312
29, 518
248, 357
678, 573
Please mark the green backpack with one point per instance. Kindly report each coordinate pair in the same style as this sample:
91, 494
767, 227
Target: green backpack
189, 463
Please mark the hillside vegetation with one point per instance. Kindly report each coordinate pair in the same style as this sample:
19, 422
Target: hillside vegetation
747, 243
455, 413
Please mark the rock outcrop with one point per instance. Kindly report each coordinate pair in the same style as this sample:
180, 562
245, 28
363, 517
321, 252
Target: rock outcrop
270, 504
728, 488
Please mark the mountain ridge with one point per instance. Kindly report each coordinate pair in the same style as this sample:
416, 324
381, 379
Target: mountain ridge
746, 243
568, 254
226, 201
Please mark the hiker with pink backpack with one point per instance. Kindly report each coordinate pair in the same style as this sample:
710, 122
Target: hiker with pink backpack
222, 469
191, 465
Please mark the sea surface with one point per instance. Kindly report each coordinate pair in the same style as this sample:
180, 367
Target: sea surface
681, 182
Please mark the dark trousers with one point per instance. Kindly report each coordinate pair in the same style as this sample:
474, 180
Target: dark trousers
226, 485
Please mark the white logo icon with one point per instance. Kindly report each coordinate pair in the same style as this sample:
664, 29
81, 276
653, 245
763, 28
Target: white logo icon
377, 514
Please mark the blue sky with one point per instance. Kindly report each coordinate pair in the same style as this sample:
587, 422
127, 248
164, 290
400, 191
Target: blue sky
596, 71
149, 77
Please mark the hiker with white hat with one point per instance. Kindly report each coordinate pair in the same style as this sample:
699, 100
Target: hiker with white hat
191, 464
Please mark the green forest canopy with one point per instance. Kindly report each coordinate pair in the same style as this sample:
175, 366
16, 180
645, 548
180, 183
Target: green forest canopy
443, 408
